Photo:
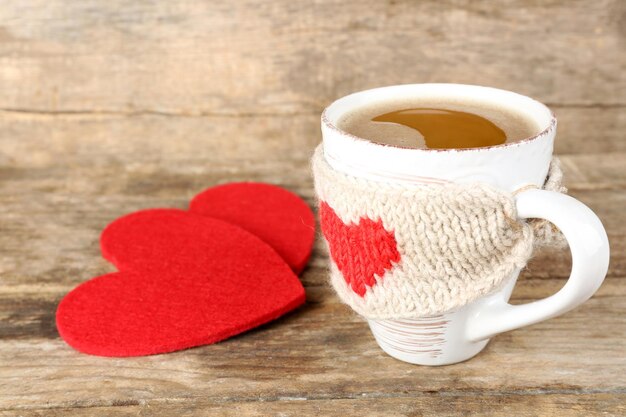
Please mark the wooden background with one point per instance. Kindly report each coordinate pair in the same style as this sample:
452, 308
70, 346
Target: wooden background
111, 106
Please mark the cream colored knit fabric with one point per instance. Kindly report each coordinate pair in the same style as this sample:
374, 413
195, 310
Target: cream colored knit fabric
455, 243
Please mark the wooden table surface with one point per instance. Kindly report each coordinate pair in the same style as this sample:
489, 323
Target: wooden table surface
107, 107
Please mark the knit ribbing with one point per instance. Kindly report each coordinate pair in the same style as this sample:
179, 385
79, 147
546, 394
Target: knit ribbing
408, 251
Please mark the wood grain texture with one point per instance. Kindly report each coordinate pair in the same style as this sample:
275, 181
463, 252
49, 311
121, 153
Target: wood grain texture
469, 404
110, 107
201, 57
42, 140
41, 206
320, 352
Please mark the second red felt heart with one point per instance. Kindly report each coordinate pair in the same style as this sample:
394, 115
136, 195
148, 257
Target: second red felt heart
277, 216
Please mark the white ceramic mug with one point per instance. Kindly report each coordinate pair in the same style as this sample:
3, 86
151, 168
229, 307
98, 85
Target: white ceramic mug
461, 334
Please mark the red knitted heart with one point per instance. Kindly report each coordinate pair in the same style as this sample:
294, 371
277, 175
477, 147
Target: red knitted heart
185, 280
361, 251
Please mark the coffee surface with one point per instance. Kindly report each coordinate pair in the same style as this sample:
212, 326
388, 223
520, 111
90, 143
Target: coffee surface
437, 124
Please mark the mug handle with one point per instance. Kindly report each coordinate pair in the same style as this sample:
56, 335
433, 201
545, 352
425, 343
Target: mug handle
589, 246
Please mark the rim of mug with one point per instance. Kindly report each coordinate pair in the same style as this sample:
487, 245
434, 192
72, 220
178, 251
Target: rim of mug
326, 121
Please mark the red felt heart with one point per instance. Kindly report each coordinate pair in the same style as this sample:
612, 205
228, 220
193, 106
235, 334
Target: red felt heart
361, 251
185, 280
279, 217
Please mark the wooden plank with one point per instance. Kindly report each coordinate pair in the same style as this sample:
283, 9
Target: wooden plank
321, 351
294, 56
533, 405
53, 238
51, 217
55, 241
28, 309
265, 144
208, 143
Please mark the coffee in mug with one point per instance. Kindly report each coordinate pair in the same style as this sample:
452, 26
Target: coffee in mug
437, 124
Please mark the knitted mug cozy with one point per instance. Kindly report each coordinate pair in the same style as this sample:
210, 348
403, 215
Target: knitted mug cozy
401, 251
